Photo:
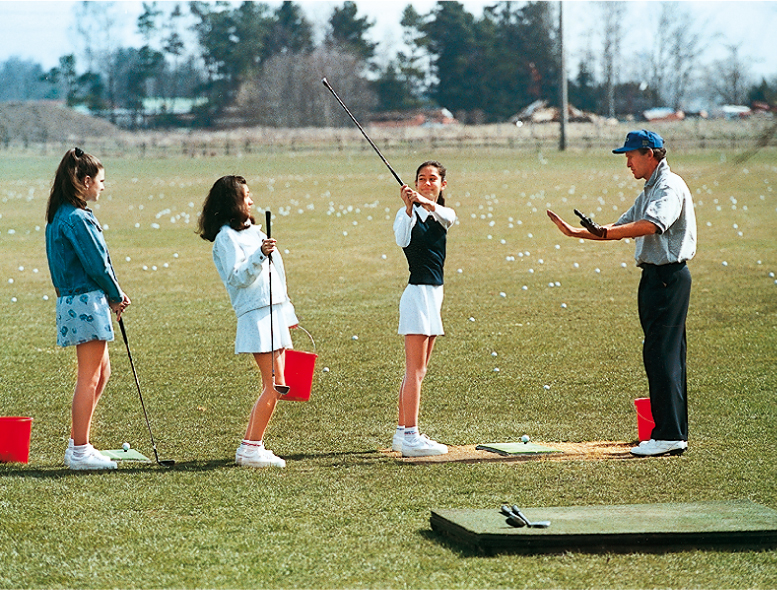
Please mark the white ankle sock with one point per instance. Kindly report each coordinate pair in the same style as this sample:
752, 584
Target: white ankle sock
411, 431
80, 451
252, 443
400, 430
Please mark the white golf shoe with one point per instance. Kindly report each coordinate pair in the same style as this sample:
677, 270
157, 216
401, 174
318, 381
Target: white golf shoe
88, 459
257, 456
396, 441
422, 446
69, 452
656, 448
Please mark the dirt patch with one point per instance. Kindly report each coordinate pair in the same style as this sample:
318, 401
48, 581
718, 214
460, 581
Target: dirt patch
48, 121
585, 451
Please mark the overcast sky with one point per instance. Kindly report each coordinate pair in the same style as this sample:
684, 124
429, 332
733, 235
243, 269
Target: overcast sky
42, 31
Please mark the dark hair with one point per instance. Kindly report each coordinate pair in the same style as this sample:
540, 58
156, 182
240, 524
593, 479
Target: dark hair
440, 169
658, 153
223, 206
68, 185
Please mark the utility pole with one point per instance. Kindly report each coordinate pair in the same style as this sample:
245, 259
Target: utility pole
564, 109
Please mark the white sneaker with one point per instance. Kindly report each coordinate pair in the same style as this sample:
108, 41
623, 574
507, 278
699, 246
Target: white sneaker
90, 459
656, 448
396, 441
258, 457
69, 452
422, 446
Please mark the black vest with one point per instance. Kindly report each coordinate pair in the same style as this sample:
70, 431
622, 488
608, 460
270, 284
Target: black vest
426, 252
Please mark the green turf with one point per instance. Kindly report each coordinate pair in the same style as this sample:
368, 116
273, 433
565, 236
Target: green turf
342, 514
516, 448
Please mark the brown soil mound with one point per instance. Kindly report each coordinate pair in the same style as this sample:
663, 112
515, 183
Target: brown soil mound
585, 451
44, 121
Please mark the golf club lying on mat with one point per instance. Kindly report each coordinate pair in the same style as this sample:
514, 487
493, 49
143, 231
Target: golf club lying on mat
282, 389
167, 462
517, 518
364, 133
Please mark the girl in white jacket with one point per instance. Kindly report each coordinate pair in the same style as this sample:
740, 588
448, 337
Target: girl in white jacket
240, 252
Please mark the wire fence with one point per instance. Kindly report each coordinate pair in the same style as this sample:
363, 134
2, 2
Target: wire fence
688, 135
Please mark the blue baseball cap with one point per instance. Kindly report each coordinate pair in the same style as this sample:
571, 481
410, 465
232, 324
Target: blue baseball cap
640, 139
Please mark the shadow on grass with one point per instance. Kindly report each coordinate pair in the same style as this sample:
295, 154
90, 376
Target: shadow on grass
448, 543
340, 457
60, 472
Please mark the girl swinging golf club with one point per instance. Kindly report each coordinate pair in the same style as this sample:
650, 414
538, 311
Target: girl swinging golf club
420, 229
87, 292
244, 256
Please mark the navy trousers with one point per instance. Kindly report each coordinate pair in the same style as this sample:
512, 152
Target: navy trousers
664, 295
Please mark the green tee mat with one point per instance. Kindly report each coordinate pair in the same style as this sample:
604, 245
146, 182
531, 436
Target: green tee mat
122, 455
738, 524
516, 448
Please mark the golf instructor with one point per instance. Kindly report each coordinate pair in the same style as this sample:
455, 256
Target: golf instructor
663, 223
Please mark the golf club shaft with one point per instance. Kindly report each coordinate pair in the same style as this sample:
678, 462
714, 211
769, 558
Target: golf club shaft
137, 384
268, 221
364, 133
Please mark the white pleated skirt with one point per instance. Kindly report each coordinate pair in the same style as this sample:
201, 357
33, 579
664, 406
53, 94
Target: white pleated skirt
253, 328
419, 310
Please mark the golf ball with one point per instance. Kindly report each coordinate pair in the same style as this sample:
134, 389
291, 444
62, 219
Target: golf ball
125, 447
525, 438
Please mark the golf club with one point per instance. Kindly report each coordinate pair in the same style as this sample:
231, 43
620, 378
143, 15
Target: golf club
167, 462
540, 524
364, 133
512, 519
282, 389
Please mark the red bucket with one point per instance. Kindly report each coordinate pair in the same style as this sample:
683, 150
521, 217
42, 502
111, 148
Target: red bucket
298, 372
15, 439
645, 422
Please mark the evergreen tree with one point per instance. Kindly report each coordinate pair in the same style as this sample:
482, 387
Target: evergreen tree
348, 31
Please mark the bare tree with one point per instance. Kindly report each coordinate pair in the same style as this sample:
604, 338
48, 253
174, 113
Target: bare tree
674, 59
728, 80
612, 17
288, 90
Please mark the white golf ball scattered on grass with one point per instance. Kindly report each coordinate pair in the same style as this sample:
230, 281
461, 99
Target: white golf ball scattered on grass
547, 387
125, 447
354, 337
325, 370
525, 438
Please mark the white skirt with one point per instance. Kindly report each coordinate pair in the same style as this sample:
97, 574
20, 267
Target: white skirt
253, 328
419, 310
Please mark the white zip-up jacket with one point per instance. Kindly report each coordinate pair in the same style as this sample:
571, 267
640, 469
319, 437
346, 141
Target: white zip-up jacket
245, 270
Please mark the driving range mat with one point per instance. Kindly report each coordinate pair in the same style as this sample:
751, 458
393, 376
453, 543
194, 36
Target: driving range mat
649, 528
122, 455
553, 451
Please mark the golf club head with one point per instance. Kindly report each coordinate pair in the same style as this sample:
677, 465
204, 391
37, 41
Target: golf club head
167, 463
282, 389
511, 519
518, 514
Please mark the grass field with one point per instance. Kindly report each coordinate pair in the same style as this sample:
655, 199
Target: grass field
342, 514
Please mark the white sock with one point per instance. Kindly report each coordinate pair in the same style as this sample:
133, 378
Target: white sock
400, 430
411, 432
80, 451
252, 443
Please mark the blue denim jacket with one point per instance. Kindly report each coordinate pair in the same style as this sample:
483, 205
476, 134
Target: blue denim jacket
77, 254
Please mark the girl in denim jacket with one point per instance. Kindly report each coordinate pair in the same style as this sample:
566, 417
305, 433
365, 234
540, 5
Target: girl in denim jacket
87, 291
240, 252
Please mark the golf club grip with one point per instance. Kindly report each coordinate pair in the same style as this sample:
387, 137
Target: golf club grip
267, 221
364, 133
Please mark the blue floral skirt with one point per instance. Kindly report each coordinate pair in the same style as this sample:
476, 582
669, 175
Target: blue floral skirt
82, 318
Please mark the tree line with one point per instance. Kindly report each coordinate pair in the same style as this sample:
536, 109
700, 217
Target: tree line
261, 65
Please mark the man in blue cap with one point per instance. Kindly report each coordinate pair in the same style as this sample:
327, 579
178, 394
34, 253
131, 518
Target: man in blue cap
663, 223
